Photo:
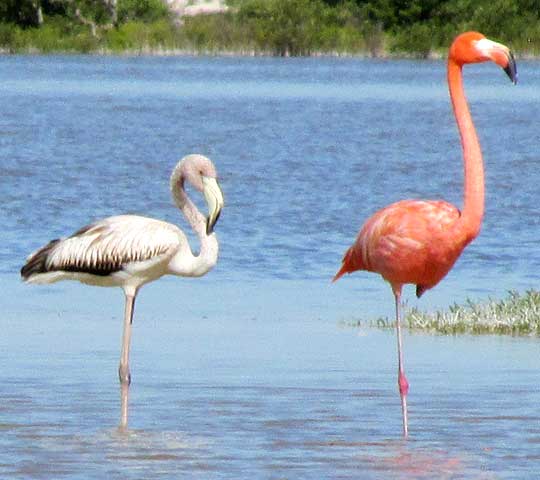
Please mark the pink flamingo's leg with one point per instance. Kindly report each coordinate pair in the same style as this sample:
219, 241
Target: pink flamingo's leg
403, 384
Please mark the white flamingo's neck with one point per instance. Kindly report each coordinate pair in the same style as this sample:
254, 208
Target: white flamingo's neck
185, 263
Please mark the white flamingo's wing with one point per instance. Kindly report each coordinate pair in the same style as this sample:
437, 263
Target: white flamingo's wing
107, 246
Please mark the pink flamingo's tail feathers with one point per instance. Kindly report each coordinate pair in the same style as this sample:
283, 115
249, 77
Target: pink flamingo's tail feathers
351, 262
342, 271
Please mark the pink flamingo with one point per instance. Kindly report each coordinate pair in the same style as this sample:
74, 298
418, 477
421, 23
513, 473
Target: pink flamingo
418, 241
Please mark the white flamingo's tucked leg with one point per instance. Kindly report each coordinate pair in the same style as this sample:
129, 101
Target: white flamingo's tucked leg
123, 370
403, 384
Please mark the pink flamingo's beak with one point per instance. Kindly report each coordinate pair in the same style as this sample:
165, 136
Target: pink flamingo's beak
500, 54
510, 69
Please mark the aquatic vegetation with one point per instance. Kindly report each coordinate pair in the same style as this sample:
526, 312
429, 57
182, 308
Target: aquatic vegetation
517, 314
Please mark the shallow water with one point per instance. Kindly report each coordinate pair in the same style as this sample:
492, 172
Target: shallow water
250, 371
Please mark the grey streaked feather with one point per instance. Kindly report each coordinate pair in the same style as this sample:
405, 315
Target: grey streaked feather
105, 247
36, 263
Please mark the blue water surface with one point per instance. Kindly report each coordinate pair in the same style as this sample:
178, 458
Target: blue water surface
251, 371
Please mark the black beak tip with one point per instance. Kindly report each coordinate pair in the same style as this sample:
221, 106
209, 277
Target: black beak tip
209, 227
210, 224
511, 69
512, 75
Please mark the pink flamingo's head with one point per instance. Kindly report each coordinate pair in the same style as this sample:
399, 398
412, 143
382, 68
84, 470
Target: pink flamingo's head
473, 47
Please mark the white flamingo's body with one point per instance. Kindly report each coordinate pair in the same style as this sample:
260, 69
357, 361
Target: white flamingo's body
124, 251
129, 250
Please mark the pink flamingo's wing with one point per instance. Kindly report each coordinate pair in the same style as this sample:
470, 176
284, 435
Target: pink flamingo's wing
411, 241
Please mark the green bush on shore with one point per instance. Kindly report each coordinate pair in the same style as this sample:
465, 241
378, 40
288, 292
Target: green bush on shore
55, 36
275, 27
136, 35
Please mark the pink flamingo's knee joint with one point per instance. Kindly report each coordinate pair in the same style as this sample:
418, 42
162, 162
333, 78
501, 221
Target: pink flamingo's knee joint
403, 384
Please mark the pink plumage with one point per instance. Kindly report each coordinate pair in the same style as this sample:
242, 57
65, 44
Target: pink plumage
418, 241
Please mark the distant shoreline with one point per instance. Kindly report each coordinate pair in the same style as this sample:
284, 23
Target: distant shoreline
260, 28
186, 52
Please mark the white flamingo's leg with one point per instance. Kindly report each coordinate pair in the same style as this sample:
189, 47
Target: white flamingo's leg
123, 370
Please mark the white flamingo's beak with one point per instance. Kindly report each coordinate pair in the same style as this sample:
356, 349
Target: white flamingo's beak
214, 198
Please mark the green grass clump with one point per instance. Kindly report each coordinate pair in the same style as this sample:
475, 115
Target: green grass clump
136, 36
517, 314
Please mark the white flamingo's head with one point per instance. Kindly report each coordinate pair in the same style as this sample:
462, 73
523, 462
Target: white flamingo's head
200, 172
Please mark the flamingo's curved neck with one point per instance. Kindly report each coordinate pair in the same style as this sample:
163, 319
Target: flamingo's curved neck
473, 202
185, 263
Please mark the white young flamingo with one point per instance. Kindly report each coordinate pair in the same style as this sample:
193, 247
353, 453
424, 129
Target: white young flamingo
129, 250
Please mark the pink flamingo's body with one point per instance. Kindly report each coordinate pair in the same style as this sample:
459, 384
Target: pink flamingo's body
418, 241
